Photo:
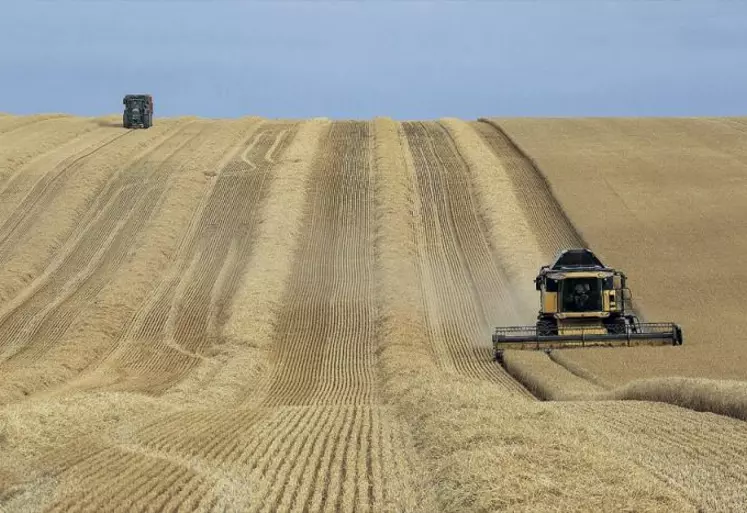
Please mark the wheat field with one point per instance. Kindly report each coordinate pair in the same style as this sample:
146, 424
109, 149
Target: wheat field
295, 315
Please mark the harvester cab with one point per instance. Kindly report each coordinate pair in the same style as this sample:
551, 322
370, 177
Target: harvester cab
583, 303
138, 111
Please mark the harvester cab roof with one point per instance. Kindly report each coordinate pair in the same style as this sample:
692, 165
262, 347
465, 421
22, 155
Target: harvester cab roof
577, 259
137, 97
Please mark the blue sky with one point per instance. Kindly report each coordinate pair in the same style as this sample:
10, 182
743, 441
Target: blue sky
407, 60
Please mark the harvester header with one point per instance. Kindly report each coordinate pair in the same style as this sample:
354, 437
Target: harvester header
583, 303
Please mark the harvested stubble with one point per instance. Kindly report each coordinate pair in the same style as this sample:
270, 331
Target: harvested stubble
115, 303
323, 354
58, 207
546, 219
324, 341
49, 167
515, 243
570, 364
119, 246
29, 139
465, 290
248, 331
209, 442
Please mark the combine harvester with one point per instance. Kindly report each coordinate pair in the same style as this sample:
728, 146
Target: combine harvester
583, 303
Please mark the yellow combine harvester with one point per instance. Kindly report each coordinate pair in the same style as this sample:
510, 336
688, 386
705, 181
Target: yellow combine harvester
583, 303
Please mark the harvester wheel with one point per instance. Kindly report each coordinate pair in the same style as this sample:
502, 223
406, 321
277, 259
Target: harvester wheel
617, 326
545, 328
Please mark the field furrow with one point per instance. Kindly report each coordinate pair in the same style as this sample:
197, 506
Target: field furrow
464, 286
313, 458
274, 469
323, 351
212, 434
297, 458
123, 479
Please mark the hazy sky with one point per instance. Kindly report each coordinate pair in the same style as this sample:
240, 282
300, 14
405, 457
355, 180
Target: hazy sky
408, 60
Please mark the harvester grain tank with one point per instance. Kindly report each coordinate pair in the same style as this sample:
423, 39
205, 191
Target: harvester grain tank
583, 303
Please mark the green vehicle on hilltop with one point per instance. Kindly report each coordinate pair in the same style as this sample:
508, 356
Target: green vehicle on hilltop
138, 112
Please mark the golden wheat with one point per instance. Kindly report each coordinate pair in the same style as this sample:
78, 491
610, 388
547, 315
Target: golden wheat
658, 198
283, 315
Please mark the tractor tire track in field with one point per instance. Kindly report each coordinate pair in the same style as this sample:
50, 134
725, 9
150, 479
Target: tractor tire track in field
702, 455
92, 255
180, 321
463, 285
